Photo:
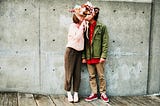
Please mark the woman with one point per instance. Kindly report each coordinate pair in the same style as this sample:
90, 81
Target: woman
73, 57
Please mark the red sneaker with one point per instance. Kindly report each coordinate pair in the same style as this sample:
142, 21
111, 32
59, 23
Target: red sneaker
91, 97
104, 97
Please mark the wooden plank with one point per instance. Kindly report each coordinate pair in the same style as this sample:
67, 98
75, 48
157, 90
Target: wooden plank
64, 99
145, 100
5, 99
57, 100
61, 100
133, 101
123, 101
43, 100
99, 102
2, 99
82, 102
12, 99
153, 100
8, 99
112, 101
115, 101
157, 98
26, 100
142, 100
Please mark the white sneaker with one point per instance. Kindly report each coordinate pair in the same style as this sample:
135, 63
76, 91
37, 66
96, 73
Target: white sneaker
70, 98
76, 99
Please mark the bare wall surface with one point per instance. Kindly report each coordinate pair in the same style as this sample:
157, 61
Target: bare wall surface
19, 45
128, 27
138, 1
33, 36
154, 67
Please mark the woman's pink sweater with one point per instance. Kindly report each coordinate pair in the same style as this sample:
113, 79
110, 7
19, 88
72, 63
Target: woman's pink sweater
76, 36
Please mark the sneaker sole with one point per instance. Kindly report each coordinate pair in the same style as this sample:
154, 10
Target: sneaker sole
70, 101
76, 101
91, 100
105, 101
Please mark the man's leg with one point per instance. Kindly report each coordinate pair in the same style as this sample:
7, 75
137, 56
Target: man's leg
101, 76
93, 83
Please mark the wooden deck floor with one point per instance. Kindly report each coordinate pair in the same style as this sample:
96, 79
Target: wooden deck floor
23, 99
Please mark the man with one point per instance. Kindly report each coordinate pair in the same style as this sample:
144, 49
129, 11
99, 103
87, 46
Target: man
95, 54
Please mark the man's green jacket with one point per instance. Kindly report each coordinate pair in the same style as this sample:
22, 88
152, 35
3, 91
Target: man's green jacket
99, 46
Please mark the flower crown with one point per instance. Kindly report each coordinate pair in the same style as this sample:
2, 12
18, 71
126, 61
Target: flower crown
84, 9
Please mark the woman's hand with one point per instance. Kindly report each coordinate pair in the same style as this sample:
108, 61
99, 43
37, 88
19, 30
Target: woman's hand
84, 25
89, 17
84, 61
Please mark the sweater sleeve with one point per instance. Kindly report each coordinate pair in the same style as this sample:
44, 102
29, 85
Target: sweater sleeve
76, 33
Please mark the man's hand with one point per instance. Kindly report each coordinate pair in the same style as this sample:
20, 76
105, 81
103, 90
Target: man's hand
102, 60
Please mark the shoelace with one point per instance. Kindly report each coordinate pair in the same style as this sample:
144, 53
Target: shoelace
104, 95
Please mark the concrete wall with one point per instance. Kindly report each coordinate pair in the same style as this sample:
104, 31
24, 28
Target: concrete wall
154, 67
19, 45
34, 34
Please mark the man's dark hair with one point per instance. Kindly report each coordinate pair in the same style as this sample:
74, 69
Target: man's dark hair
96, 9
